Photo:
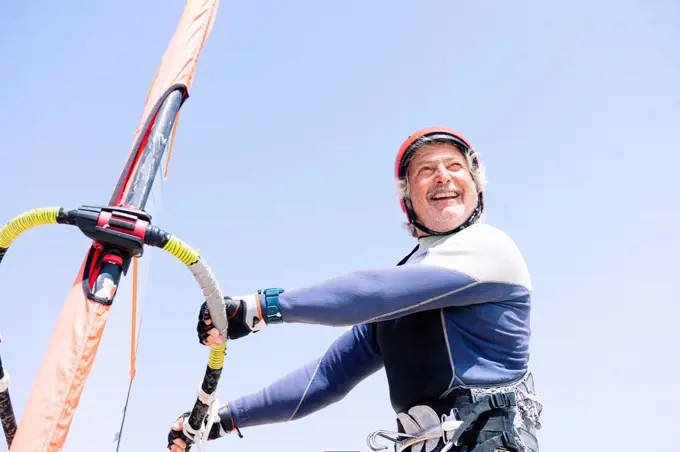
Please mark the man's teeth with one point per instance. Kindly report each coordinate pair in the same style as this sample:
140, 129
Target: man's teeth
445, 195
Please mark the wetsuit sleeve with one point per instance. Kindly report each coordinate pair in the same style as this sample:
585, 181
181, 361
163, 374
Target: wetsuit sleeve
350, 359
474, 266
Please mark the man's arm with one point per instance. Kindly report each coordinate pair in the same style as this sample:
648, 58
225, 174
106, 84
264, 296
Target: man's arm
350, 359
476, 266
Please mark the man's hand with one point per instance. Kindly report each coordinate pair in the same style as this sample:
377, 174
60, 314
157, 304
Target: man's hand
223, 425
177, 444
244, 316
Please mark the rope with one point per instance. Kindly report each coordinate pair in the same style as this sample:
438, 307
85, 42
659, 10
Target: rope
134, 345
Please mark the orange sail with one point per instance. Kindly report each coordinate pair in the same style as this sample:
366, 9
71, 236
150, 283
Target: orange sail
48, 414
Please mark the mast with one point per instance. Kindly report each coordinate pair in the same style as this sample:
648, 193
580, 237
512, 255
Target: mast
75, 340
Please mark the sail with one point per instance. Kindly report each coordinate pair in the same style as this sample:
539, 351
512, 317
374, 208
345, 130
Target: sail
71, 351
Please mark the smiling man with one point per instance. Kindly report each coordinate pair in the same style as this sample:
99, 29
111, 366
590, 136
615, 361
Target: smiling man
450, 324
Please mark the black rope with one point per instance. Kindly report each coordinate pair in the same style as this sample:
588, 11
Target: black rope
127, 398
122, 422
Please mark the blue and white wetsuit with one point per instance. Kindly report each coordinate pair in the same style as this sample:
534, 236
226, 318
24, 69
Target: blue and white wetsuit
456, 314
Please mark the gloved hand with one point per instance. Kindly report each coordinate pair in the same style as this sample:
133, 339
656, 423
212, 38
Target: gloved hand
223, 425
244, 315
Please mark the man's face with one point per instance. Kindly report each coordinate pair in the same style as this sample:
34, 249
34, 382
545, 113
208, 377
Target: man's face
442, 191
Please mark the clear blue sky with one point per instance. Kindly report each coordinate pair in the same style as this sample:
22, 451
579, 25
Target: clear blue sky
282, 176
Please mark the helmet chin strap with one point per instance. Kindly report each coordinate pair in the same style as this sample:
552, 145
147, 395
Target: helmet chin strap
470, 221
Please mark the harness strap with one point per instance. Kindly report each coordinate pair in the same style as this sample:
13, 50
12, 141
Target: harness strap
504, 441
471, 413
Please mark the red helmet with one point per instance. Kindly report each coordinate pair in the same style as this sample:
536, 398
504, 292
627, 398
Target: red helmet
435, 132
406, 152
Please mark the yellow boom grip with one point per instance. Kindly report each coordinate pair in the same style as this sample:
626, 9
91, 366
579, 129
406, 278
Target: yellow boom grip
27, 220
181, 251
216, 359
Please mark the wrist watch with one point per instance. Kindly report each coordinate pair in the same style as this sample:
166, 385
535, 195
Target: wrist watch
272, 313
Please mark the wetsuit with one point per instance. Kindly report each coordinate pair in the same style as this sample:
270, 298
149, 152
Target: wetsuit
452, 321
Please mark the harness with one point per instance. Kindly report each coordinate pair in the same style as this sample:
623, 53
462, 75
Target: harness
482, 426
468, 420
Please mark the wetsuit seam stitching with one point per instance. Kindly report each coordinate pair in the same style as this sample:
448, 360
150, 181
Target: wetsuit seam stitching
304, 394
448, 349
424, 302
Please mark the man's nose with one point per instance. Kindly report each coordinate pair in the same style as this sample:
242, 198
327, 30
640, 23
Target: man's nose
442, 173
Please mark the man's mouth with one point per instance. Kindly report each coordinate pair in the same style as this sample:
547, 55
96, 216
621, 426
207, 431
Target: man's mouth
444, 195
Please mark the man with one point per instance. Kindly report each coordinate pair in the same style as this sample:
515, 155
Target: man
449, 324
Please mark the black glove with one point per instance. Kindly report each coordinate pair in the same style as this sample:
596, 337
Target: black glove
222, 425
243, 314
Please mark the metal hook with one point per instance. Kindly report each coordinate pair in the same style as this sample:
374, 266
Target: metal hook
389, 435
